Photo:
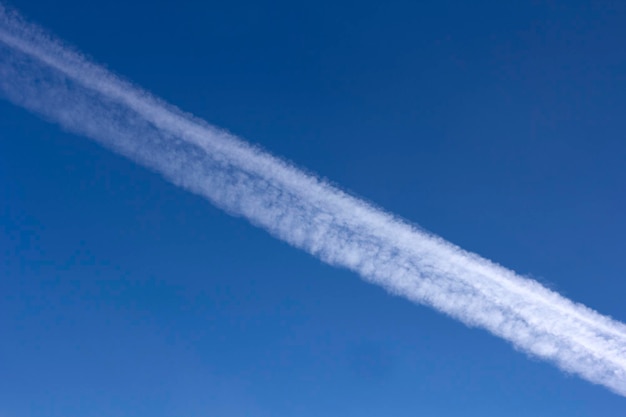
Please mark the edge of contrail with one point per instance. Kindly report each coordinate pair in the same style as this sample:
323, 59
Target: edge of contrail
50, 79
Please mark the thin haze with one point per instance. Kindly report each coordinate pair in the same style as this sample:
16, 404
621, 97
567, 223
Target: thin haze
49, 79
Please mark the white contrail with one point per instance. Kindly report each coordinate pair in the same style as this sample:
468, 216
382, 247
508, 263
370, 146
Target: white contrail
43, 75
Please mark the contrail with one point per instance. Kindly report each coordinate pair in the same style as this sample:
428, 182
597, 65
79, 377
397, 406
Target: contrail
48, 78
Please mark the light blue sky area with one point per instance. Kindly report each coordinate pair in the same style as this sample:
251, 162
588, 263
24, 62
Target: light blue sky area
500, 128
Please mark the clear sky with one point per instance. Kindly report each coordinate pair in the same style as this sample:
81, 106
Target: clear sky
498, 127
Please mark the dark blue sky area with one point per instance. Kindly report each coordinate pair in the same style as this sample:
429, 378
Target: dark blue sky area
497, 126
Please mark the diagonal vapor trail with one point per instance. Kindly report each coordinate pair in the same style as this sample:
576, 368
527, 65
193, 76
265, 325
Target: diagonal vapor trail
48, 78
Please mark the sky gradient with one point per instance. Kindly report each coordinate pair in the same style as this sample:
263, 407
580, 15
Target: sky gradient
521, 184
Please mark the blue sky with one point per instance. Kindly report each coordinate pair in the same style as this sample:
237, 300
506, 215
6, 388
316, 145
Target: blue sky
497, 127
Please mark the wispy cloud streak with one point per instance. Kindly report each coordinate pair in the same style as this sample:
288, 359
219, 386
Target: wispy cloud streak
48, 78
